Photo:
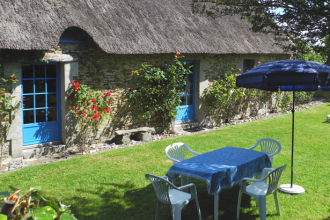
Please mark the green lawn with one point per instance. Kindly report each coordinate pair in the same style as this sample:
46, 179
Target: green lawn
112, 185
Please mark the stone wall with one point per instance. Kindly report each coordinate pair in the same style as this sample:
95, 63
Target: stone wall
112, 72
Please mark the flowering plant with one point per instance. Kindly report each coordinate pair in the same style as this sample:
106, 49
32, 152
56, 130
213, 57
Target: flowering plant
88, 105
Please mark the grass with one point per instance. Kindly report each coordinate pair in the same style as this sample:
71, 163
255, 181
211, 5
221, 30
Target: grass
112, 185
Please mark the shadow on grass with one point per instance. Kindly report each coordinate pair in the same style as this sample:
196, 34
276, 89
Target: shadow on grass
124, 201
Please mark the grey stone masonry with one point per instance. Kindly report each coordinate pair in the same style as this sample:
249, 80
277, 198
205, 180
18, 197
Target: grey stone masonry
141, 134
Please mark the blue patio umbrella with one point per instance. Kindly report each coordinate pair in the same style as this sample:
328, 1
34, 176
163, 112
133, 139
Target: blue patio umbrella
288, 75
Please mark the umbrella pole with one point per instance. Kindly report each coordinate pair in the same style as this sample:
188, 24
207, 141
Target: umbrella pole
292, 188
292, 145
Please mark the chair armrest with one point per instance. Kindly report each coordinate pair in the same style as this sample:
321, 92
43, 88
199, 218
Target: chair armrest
249, 179
193, 190
186, 186
254, 146
245, 180
194, 152
171, 158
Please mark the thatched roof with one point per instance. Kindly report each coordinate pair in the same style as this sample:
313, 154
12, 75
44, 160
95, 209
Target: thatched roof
128, 27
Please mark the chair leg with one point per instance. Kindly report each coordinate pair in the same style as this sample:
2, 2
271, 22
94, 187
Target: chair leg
198, 208
239, 203
262, 207
277, 203
176, 212
184, 181
157, 210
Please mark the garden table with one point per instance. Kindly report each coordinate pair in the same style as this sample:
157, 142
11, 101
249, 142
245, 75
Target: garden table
221, 168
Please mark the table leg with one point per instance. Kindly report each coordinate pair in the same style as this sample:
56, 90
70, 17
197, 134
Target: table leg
216, 206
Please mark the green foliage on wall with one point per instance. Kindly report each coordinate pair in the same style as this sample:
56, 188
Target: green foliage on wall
156, 92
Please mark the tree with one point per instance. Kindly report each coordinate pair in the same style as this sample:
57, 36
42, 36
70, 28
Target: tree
306, 20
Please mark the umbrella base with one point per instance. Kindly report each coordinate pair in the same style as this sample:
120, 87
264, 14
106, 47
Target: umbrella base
295, 189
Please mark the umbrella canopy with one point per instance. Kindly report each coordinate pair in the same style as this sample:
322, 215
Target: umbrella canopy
288, 75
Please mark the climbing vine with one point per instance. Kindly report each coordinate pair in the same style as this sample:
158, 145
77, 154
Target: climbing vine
6, 107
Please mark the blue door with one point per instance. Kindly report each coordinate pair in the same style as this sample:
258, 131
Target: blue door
41, 103
186, 110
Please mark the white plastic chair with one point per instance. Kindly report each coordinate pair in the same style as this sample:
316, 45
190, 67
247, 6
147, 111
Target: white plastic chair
269, 146
179, 152
261, 188
168, 193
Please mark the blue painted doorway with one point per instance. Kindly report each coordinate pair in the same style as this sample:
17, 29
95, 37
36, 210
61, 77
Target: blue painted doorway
41, 103
186, 110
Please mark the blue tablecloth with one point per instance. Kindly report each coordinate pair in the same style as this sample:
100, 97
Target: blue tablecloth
222, 168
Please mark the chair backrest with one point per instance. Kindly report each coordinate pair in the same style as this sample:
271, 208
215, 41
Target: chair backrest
161, 186
176, 152
269, 146
273, 178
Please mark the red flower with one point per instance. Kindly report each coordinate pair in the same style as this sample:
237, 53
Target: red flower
74, 107
132, 73
95, 108
109, 94
77, 84
107, 109
96, 115
94, 100
14, 77
70, 97
79, 112
85, 115
177, 55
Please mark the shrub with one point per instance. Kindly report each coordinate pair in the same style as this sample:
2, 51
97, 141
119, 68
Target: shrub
156, 93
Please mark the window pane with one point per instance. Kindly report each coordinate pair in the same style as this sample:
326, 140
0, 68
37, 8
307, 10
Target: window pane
191, 67
40, 86
191, 89
190, 78
51, 85
52, 100
40, 101
52, 114
183, 100
40, 71
190, 100
27, 71
28, 117
27, 86
28, 101
248, 65
51, 71
41, 115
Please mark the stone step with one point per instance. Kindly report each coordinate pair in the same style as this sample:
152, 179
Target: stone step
39, 150
186, 125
